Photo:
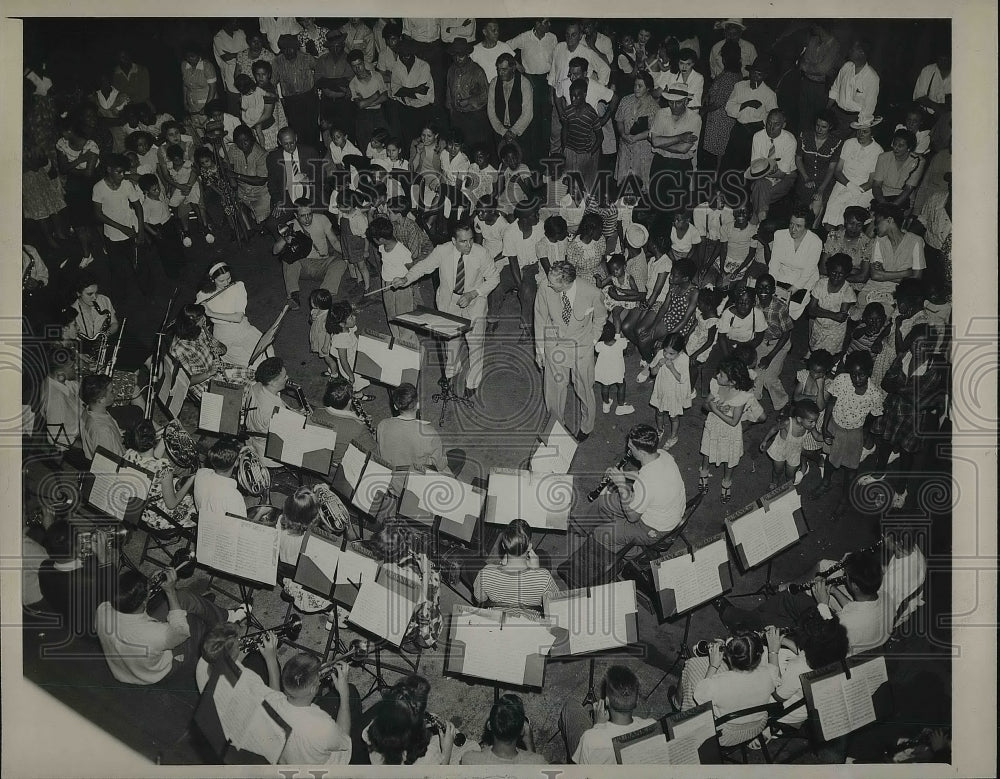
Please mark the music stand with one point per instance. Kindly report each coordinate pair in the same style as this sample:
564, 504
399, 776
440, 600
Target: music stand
266, 341
441, 327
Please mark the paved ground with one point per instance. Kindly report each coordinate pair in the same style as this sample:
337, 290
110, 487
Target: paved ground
500, 430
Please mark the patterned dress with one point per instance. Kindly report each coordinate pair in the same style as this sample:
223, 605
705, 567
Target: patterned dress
675, 307
635, 158
722, 442
718, 124
155, 514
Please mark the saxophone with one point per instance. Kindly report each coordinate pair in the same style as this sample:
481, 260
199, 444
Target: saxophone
102, 336
358, 406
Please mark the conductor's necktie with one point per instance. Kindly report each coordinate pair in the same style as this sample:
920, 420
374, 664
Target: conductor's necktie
567, 309
460, 276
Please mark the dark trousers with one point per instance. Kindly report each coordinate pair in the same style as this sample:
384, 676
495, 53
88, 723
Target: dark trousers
526, 294
412, 120
125, 272
536, 137
812, 100
202, 616
474, 126
433, 54
169, 247
737, 155
302, 112
365, 121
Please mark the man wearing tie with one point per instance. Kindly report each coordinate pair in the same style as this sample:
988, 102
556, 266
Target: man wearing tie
467, 276
294, 170
569, 317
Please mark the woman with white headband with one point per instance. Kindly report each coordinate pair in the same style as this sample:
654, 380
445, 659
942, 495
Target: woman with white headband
225, 303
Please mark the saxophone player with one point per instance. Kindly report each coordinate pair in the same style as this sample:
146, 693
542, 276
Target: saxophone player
261, 399
338, 415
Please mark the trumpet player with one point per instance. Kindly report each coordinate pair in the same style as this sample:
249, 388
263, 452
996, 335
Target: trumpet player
142, 648
224, 640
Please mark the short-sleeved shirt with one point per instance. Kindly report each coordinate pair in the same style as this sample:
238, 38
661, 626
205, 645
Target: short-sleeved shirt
734, 690
859, 250
661, 265
738, 242
362, 89
581, 128
315, 738
516, 245
117, 204
664, 124
742, 329
853, 409
658, 494
520, 588
395, 262
595, 746
682, 245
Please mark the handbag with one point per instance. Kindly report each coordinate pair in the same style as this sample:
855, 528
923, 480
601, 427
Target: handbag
640, 125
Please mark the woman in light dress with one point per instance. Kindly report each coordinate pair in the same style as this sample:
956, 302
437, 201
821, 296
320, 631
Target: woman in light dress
225, 303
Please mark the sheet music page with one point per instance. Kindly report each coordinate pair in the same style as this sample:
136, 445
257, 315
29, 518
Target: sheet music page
223, 700
546, 459
111, 492
178, 392
374, 481
831, 706
264, 736
240, 706
385, 611
298, 436
239, 547
544, 498
444, 495
646, 751
702, 724
210, 414
391, 361
354, 568
684, 750
695, 581
779, 526
787, 504
353, 463
873, 672
324, 555
504, 487
860, 707
499, 655
751, 532
597, 622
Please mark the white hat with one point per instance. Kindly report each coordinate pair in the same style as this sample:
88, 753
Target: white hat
676, 92
735, 22
636, 235
758, 169
866, 122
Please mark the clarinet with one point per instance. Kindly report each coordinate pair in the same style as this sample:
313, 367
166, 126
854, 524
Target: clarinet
359, 409
300, 395
839, 566
595, 493
797, 587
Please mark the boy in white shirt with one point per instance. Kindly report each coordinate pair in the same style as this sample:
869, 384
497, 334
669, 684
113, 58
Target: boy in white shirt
161, 226
396, 261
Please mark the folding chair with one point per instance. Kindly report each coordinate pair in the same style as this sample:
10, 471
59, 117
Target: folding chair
592, 564
738, 735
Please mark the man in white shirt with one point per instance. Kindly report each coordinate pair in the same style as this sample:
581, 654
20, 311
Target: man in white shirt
860, 611
535, 49
933, 88
510, 106
485, 52
646, 505
776, 145
855, 90
413, 88
323, 262
565, 51
261, 399
215, 488
227, 45
588, 734
519, 247
118, 206
794, 262
597, 41
61, 404
749, 104
274, 27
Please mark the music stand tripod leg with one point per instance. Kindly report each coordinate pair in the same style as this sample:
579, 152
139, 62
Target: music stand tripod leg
681, 655
590, 697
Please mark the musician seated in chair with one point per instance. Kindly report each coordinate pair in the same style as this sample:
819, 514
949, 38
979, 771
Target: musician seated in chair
407, 442
644, 506
516, 581
200, 353
858, 606
260, 399
587, 731
215, 489
142, 648
73, 582
338, 414
169, 491
61, 404
98, 427
224, 640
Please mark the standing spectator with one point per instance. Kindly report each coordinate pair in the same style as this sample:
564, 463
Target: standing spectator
749, 104
934, 220
411, 86
249, 166
733, 31
130, 78
519, 247
333, 75
535, 48
561, 57
358, 36
273, 27
200, 86
487, 51
581, 133
77, 158
832, 299
256, 50
312, 37
854, 93
686, 76
633, 118
599, 97
674, 133
466, 94
227, 45
118, 206
424, 35
777, 146
933, 88
369, 94
816, 161
817, 67
855, 169
295, 74
718, 123
510, 107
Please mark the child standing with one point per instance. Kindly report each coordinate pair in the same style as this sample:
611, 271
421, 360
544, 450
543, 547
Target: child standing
161, 226
353, 235
783, 442
810, 384
552, 248
742, 322
489, 228
672, 390
754, 411
342, 325
722, 441
706, 328
609, 370
184, 192
620, 290
396, 261
832, 299
320, 301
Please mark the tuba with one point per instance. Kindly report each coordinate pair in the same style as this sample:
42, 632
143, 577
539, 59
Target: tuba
251, 474
331, 508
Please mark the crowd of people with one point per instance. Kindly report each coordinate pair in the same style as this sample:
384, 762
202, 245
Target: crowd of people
636, 195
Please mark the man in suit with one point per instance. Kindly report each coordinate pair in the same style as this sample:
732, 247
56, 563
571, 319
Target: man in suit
569, 317
467, 276
294, 171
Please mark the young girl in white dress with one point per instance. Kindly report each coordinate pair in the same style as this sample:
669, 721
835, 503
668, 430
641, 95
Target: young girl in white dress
342, 325
609, 370
722, 441
784, 442
672, 390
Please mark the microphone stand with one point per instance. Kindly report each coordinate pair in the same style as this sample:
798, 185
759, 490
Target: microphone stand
154, 368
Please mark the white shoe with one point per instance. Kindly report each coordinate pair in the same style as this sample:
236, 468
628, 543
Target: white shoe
800, 474
643, 375
209, 238
866, 452
670, 444
694, 394
606, 407
187, 241
892, 458
240, 614
898, 500
86, 261
870, 478
625, 410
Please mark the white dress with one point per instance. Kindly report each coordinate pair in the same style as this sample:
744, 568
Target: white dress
610, 366
669, 394
721, 442
859, 164
240, 338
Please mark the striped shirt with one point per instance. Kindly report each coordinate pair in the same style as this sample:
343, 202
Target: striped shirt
523, 587
581, 128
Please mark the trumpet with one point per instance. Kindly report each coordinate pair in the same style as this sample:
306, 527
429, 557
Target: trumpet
290, 630
595, 493
356, 654
86, 540
183, 558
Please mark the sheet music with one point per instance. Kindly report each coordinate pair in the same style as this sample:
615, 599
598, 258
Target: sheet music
444, 496
353, 463
390, 362
787, 504
684, 750
860, 707
646, 751
694, 581
112, 492
385, 611
354, 568
763, 534
297, 437
432, 322
177, 392
873, 672
500, 654
232, 545
210, 414
373, 483
543, 500
324, 554
556, 454
597, 622
700, 724
842, 704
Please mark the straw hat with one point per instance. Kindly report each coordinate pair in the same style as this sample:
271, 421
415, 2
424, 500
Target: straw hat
758, 169
676, 92
636, 235
866, 122
726, 22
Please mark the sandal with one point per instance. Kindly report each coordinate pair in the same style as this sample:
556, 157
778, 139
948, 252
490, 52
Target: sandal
703, 482
726, 494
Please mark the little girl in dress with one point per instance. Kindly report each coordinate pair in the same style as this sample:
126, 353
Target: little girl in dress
609, 369
672, 390
783, 442
621, 293
320, 301
722, 441
342, 325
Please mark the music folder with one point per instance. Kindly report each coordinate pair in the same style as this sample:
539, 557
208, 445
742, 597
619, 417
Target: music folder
385, 360
266, 341
220, 408
767, 526
845, 696
426, 495
497, 645
356, 566
116, 487
437, 323
385, 604
366, 481
543, 500
316, 567
237, 546
688, 577
555, 450
595, 618
294, 440
682, 738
